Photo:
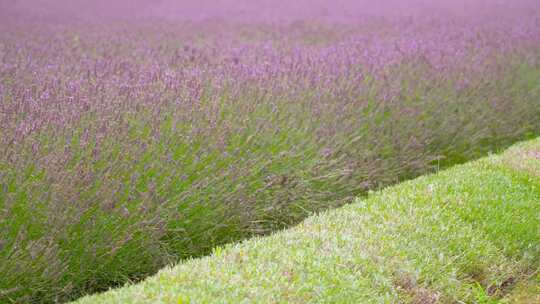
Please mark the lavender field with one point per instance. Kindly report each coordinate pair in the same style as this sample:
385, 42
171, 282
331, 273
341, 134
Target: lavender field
134, 134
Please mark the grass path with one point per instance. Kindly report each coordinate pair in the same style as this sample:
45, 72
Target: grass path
470, 234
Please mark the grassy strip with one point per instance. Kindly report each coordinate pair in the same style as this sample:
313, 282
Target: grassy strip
467, 234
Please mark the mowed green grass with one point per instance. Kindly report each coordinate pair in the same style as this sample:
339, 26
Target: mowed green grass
469, 234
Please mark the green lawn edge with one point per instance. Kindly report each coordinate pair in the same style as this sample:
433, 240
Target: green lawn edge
469, 234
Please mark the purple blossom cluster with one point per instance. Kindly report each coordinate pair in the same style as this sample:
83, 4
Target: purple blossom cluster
136, 133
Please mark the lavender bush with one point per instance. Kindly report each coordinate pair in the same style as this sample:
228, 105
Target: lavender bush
137, 133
